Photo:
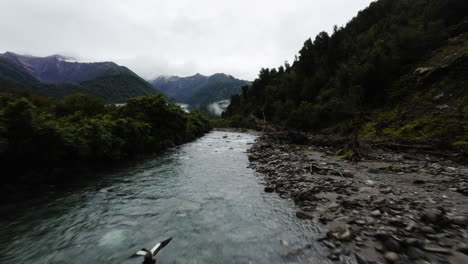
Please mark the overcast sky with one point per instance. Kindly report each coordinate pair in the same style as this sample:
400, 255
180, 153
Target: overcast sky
171, 37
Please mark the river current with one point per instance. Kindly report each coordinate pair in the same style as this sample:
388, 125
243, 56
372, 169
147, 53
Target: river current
202, 194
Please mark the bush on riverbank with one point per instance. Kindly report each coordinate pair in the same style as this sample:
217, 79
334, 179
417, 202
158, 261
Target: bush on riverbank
44, 140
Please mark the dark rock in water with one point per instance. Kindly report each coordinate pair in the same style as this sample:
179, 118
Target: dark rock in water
419, 182
427, 230
433, 216
269, 189
334, 257
382, 235
253, 157
360, 259
392, 245
463, 248
391, 257
415, 253
307, 194
304, 215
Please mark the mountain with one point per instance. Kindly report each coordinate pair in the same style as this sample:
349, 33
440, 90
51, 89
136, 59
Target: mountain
9, 70
199, 90
57, 76
58, 69
398, 70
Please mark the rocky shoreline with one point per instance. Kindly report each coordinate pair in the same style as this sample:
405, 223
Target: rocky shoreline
389, 207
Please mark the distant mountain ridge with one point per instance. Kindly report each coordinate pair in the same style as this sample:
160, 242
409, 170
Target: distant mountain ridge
199, 90
59, 76
57, 68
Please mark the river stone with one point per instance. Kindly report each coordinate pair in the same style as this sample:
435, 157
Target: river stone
304, 215
458, 220
348, 174
463, 248
392, 245
433, 216
253, 157
341, 233
376, 213
415, 253
391, 257
360, 259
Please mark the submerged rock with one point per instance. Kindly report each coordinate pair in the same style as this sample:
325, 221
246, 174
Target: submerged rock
304, 215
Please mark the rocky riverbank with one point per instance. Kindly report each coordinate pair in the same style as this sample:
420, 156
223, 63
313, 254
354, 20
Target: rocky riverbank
388, 207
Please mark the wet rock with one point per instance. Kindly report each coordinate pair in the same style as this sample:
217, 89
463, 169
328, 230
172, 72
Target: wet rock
307, 194
463, 248
370, 182
392, 245
413, 242
376, 213
386, 190
304, 215
379, 247
415, 253
382, 235
419, 182
269, 189
458, 220
433, 216
348, 174
253, 157
334, 257
360, 259
426, 230
341, 233
391, 257
329, 244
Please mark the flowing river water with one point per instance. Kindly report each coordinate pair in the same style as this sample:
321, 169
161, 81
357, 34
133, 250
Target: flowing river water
202, 194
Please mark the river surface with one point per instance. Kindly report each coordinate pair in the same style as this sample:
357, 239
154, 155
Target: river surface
202, 194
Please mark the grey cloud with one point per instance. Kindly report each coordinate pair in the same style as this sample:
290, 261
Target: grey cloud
179, 37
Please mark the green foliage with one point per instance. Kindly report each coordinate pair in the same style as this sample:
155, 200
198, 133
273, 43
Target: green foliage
115, 88
41, 140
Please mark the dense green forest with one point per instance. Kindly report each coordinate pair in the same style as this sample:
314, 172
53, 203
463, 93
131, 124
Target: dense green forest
112, 88
51, 140
398, 69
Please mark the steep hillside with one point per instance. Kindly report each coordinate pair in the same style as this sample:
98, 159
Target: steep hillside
56, 68
392, 63
9, 70
179, 89
199, 90
54, 77
116, 88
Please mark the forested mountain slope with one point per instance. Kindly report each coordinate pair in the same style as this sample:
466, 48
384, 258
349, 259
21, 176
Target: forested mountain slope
53, 76
199, 90
398, 69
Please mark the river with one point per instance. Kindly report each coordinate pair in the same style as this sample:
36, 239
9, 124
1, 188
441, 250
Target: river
202, 194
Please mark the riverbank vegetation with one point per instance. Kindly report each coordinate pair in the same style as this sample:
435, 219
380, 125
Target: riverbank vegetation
48, 140
397, 70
